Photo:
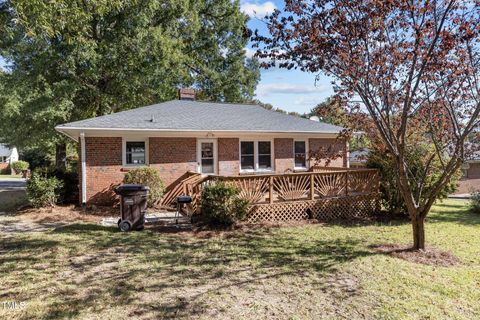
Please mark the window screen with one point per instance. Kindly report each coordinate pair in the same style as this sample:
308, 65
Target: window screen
300, 154
135, 153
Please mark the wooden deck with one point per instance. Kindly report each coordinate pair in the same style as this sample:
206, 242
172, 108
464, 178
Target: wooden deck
322, 193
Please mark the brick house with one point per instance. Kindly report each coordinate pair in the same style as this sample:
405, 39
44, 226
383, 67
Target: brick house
184, 135
471, 168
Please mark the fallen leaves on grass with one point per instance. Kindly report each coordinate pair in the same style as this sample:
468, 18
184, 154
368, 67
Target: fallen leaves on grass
428, 256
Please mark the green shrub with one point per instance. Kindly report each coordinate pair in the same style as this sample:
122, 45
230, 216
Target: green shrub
69, 192
221, 204
475, 201
42, 190
150, 178
19, 166
392, 199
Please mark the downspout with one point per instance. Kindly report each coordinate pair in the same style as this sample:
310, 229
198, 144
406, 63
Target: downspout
84, 168
347, 146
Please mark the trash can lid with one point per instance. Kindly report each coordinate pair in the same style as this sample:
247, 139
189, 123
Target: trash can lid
131, 188
184, 199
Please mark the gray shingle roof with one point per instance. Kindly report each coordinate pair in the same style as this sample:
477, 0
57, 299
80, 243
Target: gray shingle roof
183, 115
5, 151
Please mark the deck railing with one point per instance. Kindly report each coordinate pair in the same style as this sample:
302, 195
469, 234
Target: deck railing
327, 192
280, 188
272, 188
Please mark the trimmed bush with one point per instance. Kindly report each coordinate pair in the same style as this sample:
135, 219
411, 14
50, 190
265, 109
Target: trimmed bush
42, 190
475, 202
221, 204
150, 178
19, 166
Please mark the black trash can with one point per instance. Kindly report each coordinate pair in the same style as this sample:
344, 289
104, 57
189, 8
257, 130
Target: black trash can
133, 206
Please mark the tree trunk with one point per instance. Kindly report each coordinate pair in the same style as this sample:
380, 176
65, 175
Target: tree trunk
61, 156
418, 233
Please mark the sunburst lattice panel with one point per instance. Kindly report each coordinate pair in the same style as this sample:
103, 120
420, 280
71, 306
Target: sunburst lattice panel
359, 206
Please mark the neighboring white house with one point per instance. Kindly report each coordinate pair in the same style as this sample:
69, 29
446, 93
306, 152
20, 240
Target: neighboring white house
7, 155
358, 158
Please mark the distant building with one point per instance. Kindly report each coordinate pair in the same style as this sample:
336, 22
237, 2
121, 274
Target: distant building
358, 158
471, 167
7, 156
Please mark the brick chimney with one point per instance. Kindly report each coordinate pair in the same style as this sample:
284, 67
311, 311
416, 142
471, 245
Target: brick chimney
186, 94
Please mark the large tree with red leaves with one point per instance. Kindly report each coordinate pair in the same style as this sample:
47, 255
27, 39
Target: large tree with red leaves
414, 65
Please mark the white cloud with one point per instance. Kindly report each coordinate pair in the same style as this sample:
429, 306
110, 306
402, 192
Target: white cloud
258, 10
287, 88
308, 101
249, 52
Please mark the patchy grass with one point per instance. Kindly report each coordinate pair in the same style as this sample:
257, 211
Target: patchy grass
302, 272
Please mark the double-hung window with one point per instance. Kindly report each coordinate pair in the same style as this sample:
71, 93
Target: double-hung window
135, 153
300, 154
255, 155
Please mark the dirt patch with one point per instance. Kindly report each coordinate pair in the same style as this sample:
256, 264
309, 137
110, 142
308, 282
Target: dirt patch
429, 256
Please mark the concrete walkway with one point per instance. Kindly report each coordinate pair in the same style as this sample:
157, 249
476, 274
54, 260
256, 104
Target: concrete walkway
165, 218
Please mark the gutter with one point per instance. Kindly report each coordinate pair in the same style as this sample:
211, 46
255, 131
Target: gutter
63, 129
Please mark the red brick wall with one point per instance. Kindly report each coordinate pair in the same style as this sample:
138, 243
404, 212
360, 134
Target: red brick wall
283, 154
172, 157
104, 168
228, 156
4, 167
315, 144
474, 171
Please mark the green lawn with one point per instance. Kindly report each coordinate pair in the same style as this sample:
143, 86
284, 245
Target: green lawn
9, 176
304, 272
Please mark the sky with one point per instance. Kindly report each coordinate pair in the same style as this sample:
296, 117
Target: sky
290, 90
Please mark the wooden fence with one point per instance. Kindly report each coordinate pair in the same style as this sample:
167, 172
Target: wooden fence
322, 194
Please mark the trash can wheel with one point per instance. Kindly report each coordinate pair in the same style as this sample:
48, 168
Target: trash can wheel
125, 226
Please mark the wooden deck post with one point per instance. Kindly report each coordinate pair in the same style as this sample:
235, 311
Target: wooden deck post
346, 183
270, 189
312, 187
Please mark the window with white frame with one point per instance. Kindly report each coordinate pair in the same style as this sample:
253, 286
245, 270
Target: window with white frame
135, 153
300, 154
247, 155
3, 159
255, 155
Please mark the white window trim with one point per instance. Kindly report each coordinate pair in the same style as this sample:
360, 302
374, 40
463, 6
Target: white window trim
255, 156
124, 152
215, 156
307, 161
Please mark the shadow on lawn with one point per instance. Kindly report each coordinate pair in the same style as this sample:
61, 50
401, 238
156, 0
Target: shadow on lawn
456, 212
105, 268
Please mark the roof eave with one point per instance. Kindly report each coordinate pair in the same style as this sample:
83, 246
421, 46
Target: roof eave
73, 132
